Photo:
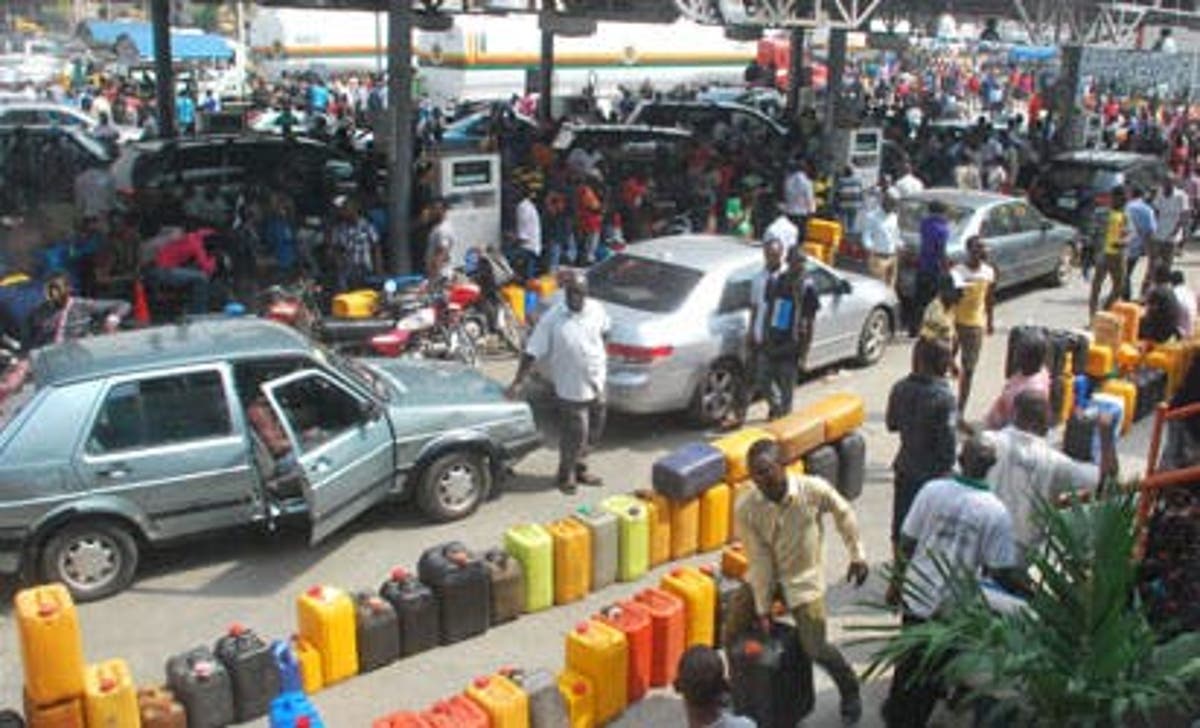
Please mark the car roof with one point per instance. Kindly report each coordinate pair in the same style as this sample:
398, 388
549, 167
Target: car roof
163, 347
157, 145
40, 105
716, 104
972, 199
705, 253
1105, 158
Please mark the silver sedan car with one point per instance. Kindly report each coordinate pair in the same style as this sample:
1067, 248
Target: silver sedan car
680, 310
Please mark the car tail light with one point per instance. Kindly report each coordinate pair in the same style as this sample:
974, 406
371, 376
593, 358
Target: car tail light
1104, 200
639, 354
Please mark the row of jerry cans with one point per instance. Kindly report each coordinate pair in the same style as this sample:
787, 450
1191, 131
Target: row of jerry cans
510, 698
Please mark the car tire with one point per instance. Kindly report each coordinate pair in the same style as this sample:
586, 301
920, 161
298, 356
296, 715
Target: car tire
94, 559
873, 340
717, 394
1062, 268
452, 486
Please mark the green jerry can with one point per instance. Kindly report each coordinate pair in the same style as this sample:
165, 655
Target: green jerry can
633, 535
533, 546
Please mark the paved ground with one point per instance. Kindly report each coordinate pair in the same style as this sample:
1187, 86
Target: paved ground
188, 595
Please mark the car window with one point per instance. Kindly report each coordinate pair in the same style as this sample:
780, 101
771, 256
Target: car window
160, 411
912, 211
1024, 218
736, 296
642, 283
19, 116
58, 117
317, 410
998, 222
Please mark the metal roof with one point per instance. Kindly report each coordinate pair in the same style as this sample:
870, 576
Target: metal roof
185, 46
162, 347
1104, 158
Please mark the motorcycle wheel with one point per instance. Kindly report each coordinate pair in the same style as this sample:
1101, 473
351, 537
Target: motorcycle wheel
509, 330
463, 347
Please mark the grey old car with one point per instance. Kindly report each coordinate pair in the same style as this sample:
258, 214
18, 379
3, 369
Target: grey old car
145, 437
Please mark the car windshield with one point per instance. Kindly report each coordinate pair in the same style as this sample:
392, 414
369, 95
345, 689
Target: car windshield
642, 283
355, 371
1074, 176
911, 213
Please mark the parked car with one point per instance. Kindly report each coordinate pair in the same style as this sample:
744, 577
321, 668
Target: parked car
45, 113
680, 310
308, 170
761, 134
38, 164
1022, 244
141, 438
1078, 183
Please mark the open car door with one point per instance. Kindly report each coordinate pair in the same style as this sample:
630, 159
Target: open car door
342, 444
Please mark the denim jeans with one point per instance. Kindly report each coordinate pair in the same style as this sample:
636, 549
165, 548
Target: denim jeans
195, 281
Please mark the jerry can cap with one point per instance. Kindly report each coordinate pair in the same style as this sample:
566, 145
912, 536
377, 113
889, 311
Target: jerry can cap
634, 511
46, 609
399, 573
303, 721
203, 669
237, 629
708, 569
582, 628
677, 571
579, 687
107, 684
375, 604
752, 648
584, 510
316, 592
482, 681
458, 558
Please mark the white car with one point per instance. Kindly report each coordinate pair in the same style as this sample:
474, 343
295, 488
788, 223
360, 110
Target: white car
46, 113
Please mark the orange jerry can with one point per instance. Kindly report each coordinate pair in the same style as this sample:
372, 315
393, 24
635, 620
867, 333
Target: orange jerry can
327, 622
797, 434
1100, 361
1171, 358
580, 697
405, 719
601, 654
506, 704
457, 712
736, 446
737, 492
1127, 391
572, 560
63, 714
1129, 356
159, 708
658, 510
699, 595
312, 677
668, 632
109, 696
51, 645
714, 517
825, 232
1130, 314
633, 620
685, 527
1108, 329
842, 413
734, 562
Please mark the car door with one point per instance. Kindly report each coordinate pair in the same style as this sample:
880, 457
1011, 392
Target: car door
838, 323
731, 321
1035, 248
1003, 244
341, 442
166, 441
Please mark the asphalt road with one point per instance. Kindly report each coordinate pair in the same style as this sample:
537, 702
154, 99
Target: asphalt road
188, 595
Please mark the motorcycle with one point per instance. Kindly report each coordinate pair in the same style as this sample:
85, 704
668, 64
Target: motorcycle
435, 330
491, 313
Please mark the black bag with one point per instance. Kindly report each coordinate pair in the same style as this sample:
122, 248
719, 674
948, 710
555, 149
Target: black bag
771, 680
852, 465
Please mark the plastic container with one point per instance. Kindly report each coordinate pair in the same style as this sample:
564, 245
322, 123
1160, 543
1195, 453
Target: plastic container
685, 528
202, 684
362, 303
287, 665
734, 562
546, 706
403, 719
459, 712
533, 546
1130, 314
1129, 357
515, 296
417, 615
63, 714
1114, 407
158, 708
736, 447
602, 528
658, 518
1108, 329
842, 413
737, 492
633, 621
699, 596
572, 560
824, 463
687, 471
1151, 390
579, 695
852, 465
110, 697
294, 710
1100, 362
312, 671
770, 679
600, 653
377, 632
506, 704
508, 585
252, 671
463, 588
727, 589
1127, 391
668, 625
51, 645
325, 616
1171, 358
824, 232
714, 517
797, 434
633, 535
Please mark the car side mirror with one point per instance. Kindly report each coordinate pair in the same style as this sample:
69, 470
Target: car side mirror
844, 286
370, 410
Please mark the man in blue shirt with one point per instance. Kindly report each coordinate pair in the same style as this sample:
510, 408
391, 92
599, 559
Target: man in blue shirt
931, 262
318, 97
1144, 223
185, 113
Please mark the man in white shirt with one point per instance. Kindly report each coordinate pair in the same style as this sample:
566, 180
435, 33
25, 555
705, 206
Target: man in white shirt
1174, 211
1188, 304
529, 236
569, 338
908, 183
782, 230
799, 199
881, 238
441, 253
95, 194
757, 380
1028, 469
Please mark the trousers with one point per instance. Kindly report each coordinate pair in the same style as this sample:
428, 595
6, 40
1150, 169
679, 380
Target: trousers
582, 424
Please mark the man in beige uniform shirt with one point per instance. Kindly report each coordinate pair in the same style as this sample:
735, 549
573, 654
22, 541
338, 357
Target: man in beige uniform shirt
780, 523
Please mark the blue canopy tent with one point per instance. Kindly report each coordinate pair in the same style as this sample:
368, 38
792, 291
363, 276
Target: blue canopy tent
1031, 53
185, 46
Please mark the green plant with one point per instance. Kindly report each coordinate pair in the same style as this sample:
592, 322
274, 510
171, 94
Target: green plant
1082, 654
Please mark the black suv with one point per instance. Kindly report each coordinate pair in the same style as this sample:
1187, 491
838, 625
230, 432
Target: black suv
1076, 184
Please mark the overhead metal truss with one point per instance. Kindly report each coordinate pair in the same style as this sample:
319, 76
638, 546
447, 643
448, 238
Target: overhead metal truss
844, 14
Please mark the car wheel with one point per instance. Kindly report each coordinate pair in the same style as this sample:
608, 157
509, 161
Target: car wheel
876, 332
717, 397
93, 559
454, 485
1062, 268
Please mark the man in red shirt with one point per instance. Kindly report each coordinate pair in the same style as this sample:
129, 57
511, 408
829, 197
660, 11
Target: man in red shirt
185, 263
